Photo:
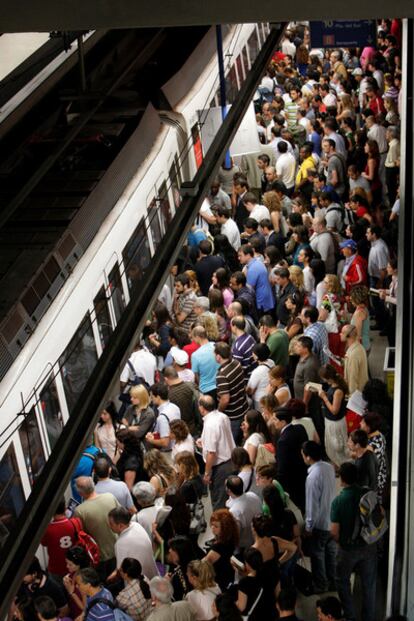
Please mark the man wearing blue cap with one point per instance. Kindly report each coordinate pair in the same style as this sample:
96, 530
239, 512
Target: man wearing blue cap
355, 267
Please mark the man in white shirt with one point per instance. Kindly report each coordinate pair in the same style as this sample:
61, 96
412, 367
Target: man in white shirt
167, 412
145, 494
286, 166
132, 542
228, 226
217, 444
288, 47
144, 364
243, 507
256, 211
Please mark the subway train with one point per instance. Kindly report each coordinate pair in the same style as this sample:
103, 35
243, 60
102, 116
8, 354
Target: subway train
49, 345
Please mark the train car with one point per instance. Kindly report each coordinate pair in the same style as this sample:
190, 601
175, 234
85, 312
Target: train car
88, 278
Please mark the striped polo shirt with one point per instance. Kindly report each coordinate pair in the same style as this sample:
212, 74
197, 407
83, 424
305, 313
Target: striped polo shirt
242, 351
230, 379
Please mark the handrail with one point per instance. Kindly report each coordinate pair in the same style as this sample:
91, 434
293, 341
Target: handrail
54, 478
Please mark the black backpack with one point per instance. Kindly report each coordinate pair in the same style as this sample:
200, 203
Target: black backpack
136, 380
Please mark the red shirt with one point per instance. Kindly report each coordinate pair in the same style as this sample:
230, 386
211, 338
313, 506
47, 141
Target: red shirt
190, 349
59, 537
357, 270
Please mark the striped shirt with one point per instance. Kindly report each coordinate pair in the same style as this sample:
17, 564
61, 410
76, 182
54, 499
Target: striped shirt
185, 304
242, 351
319, 335
100, 611
230, 380
291, 109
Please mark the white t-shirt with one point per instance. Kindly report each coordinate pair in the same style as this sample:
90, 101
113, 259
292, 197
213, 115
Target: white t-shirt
308, 280
187, 375
259, 213
254, 440
185, 445
134, 542
145, 365
286, 169
259, 381
205, 210
201, 602
231, 231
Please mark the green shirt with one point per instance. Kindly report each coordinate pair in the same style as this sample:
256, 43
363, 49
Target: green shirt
344, 511
278, 343
94, 516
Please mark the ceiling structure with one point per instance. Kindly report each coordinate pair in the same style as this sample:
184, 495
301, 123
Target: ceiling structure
47, 15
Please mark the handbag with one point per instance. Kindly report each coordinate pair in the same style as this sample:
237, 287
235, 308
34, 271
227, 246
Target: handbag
331, 322
302, 578
256, 601
198, 522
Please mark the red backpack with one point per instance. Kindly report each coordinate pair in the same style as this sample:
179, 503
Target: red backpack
88, 543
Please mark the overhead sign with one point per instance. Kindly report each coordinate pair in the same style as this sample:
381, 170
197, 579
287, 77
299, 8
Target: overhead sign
343, 33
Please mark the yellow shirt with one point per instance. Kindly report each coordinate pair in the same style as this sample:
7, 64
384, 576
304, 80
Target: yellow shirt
304, 167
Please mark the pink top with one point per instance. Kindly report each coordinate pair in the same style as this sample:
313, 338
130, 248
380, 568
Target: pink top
228, 296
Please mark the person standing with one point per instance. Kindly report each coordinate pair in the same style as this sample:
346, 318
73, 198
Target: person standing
183, 303
230, 387
320, 492
317, 331
243, 345
93, 512
203, 362
378, 259
217, 444
132, 542
353, 554
355, 362
257, 277
291, 471
365, 460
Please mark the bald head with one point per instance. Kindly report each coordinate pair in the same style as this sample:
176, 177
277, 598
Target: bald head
85, 486
234, 309
319, 224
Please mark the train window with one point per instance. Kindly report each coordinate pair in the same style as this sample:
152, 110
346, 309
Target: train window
253, 45
154, 222
78, 361
116, 292
175, 182
32, 446
50, 407
103, 317
245, 57
11, 493
136, 255
231, 85
165, 211
240, 69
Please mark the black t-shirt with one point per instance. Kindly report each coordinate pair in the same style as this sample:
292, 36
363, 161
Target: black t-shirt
284, 528
192, 490
222, 567
51, 589
205, 269
252, 587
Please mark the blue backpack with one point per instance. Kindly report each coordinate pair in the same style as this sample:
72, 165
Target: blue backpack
119, 614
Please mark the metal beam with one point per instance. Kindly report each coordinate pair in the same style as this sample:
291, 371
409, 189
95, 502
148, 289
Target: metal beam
400, 596
45, 15
54, 479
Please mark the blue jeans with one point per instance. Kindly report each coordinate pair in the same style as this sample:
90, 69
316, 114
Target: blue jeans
322, 549
363, 561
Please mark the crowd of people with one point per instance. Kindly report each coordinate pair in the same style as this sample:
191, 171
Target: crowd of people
250, 384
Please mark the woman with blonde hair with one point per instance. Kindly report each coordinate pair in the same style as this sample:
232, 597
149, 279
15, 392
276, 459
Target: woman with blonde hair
139, 416
193, 281
346, 107
296, 278
201, 576
209, 323
162, 476
330, 310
